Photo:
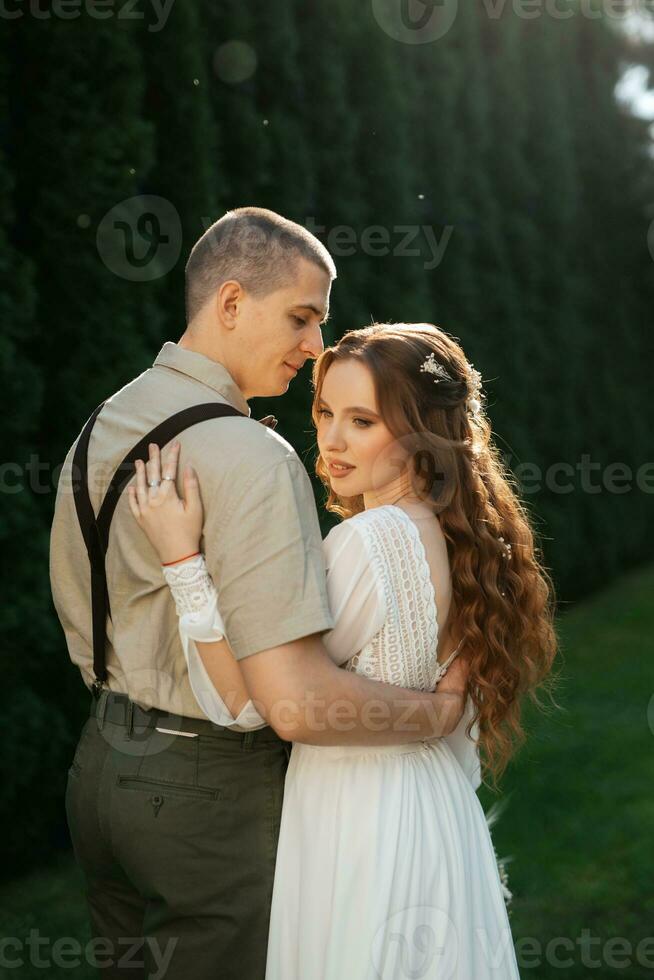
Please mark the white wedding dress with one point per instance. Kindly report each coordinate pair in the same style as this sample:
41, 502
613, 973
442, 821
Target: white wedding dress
385, 863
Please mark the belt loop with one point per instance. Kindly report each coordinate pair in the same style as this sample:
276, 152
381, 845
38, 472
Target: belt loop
248, 739
101, 708
129, 718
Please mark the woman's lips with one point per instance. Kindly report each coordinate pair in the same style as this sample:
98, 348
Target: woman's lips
337, 471
290, 367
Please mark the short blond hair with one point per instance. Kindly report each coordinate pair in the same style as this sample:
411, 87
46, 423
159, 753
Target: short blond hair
257, 247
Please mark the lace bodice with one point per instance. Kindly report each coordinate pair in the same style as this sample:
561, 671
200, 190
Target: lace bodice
403, 651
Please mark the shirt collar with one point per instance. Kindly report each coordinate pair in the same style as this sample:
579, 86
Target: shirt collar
211, 373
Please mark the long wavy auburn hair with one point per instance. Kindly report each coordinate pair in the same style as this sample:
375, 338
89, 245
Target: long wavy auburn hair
502, 607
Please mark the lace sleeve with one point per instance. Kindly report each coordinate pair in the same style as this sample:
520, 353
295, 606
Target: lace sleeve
196, 602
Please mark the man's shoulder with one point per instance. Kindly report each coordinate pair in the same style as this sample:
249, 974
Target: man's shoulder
247, 443
238, 458
233, 439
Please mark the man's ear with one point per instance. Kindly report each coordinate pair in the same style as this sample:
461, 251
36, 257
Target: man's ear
229, 297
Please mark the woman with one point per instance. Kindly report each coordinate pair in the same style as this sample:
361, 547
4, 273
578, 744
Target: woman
385, 863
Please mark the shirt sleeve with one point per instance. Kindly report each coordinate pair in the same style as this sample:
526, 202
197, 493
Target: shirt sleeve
356, 593
265, 557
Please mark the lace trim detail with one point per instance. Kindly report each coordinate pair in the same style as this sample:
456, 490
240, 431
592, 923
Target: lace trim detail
191, 585
423, 573
441, 669
404, 651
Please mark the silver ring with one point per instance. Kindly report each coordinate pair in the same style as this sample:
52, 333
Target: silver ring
154, 483
167, 477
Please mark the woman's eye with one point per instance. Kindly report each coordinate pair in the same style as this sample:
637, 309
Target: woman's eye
365, 423
300, 321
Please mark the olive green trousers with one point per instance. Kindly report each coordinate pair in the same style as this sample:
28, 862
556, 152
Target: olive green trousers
176, 837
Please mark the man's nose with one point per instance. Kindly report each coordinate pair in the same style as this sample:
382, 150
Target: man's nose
312, 343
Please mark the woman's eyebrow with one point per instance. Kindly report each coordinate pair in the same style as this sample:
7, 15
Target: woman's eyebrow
352, 408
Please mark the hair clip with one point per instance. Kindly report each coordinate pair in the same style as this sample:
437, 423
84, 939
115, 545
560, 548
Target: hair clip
432, 366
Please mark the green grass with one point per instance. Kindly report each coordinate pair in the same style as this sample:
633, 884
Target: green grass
578, 822
580, 810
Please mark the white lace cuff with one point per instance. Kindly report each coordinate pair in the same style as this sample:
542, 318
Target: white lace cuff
191, 585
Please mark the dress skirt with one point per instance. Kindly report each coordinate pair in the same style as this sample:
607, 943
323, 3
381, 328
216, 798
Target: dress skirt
385, 870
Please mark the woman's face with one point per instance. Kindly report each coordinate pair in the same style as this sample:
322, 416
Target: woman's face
350, 430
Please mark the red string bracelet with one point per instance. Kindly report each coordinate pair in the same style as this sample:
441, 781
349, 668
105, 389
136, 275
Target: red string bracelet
177, 560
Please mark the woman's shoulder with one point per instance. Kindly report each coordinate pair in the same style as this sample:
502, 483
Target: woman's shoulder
360, 527
339, 534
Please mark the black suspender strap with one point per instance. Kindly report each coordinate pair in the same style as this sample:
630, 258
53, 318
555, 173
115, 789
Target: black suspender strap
86, 517
95, 529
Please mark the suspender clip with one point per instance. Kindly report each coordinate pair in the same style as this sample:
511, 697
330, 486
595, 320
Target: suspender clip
96, 688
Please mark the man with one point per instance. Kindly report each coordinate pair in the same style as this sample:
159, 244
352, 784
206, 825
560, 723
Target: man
174, 820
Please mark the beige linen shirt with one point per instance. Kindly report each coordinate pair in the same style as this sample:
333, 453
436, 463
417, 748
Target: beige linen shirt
261, 537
